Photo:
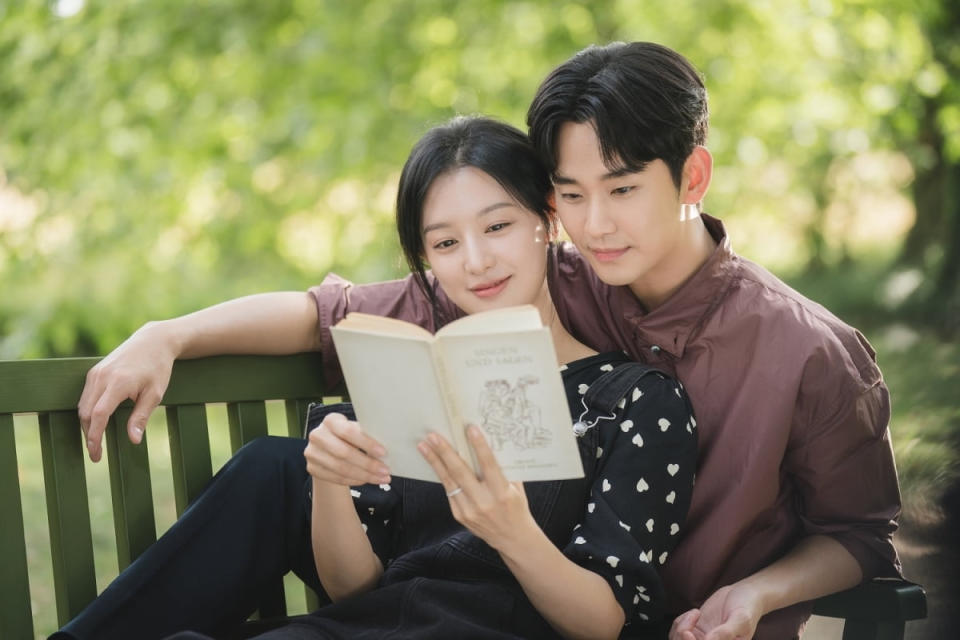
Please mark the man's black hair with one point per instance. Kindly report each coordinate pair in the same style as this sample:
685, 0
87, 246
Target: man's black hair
645, 101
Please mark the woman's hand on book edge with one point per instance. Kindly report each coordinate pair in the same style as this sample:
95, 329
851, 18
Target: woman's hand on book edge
341, 452
490, 506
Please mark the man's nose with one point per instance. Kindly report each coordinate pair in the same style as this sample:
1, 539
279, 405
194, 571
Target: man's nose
598, 221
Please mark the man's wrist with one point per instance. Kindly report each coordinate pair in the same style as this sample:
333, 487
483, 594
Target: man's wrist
165, 333
764, 594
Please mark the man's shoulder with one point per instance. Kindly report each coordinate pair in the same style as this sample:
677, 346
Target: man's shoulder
787, 314
781, 302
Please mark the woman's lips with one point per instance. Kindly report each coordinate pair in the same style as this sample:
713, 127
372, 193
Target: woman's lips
491, 289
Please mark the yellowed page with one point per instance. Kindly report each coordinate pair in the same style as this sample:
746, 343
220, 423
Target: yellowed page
392, 383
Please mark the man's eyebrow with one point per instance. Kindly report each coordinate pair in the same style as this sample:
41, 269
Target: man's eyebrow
482, 212
559, 178
619, 173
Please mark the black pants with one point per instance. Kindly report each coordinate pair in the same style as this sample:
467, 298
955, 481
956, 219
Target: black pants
245, 531
418, 609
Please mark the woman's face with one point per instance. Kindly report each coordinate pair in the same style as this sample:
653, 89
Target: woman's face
486, 250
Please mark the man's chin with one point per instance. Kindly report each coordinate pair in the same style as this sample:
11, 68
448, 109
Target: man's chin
613, 275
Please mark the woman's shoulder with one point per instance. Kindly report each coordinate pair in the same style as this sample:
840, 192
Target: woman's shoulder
594, 366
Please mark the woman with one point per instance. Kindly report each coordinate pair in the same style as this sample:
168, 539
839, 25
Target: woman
482, 557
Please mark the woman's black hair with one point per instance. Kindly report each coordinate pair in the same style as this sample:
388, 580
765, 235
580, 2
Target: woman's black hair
496, 148
644, 100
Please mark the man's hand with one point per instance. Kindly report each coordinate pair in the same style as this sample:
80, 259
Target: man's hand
139, 370
731, 613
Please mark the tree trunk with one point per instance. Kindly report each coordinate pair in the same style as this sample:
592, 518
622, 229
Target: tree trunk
928, 191
945, 299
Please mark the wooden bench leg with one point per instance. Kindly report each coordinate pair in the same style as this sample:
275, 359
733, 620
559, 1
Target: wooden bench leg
869, 630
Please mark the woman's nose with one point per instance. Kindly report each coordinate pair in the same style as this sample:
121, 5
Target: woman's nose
479, 258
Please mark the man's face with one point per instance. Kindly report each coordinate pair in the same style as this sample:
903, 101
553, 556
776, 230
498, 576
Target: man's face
628, 225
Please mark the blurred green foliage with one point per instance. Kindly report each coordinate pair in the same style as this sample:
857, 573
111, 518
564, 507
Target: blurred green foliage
156, 157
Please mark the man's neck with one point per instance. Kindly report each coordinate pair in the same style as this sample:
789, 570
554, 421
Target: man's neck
663, 281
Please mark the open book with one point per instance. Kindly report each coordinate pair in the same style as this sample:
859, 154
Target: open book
496, 369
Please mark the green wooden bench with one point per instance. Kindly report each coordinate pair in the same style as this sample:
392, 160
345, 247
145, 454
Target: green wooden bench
50, 390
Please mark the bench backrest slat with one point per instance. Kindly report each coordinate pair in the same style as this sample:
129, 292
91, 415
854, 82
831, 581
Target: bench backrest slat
296, 412
67, 512
15, 618
131, 490
189, 451
248, 420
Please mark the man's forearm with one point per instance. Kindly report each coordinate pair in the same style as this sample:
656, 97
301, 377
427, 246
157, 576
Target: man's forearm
818, 565
267, 323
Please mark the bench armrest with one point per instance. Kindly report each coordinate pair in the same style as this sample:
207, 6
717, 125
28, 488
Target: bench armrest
882, 599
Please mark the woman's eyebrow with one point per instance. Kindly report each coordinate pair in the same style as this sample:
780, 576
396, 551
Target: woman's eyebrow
488, 209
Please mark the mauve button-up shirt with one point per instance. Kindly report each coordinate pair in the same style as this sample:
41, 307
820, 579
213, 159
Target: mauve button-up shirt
791, 407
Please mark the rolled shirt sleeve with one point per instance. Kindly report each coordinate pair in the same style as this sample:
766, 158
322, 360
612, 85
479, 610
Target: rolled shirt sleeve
403, 299
841, 459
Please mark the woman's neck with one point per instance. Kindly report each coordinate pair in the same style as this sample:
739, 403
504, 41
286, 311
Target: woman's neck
567, 347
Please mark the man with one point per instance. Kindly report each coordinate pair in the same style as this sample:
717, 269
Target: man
796, 493
796, 489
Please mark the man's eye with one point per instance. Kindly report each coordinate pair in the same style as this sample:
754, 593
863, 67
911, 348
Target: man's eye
570, 197
622, 190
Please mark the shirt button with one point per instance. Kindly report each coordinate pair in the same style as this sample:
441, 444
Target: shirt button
655, 349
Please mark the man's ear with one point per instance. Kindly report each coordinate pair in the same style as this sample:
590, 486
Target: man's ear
697, 171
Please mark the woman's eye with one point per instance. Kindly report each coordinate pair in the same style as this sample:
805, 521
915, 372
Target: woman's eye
498, 226
444, 244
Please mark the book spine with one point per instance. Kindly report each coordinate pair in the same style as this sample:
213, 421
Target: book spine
457, 431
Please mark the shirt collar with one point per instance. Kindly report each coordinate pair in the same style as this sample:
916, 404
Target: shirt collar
671, 325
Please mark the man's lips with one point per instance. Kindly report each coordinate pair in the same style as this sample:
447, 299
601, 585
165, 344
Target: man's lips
608, 255
490, 289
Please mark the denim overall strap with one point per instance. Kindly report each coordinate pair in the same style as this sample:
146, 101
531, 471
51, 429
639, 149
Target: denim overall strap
608, 390
317, 411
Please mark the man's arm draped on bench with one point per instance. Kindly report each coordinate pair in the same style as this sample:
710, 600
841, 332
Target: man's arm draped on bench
139, 369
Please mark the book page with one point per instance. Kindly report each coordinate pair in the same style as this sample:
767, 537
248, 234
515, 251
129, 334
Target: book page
508, 319
510, 385
383, 326
392, 385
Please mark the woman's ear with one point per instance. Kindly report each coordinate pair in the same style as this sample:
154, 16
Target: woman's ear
697, 171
